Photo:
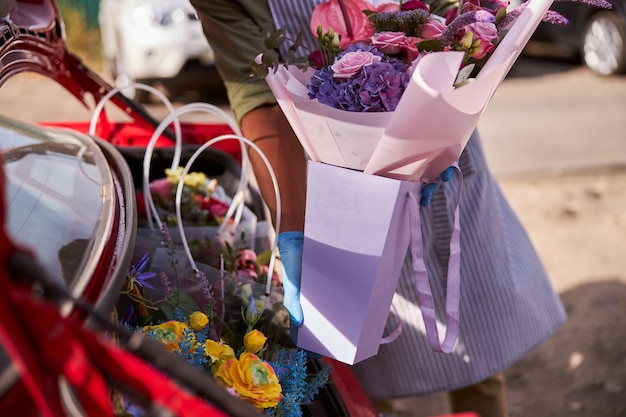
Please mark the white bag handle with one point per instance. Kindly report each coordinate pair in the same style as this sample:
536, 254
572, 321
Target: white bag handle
174, 115
160, 95
150, 148
179, 191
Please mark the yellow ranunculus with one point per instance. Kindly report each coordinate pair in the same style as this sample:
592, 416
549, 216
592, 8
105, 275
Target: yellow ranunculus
169, 333
252, 379
254, 340
197, 320
218, 351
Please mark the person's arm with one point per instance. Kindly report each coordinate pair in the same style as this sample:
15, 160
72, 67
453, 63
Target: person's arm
233, 28
270, 130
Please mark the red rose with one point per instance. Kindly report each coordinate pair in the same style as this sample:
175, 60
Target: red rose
414, 5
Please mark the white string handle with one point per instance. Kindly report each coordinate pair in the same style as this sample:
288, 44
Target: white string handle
150, 148
179, 191
151, 211
160, 95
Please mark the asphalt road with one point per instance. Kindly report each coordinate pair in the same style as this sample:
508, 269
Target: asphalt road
554, 118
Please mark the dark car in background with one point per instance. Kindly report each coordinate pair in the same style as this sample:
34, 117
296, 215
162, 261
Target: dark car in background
595, 37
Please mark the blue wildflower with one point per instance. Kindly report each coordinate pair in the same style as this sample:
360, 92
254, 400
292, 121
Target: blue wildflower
298, 388
137, 275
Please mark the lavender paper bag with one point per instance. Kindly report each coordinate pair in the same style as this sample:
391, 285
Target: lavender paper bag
356, 238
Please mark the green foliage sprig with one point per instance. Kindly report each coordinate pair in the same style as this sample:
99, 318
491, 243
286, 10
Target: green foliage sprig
328, 48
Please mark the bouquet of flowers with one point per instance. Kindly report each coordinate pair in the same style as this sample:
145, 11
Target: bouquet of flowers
207, 213
393, 94
406, 63
224, 322
203, 203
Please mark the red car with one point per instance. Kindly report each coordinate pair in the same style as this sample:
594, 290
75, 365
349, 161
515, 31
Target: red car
70, 199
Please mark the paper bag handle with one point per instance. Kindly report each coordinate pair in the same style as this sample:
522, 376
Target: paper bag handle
393, 335
420, 275
174, 115
178, 143
179, 191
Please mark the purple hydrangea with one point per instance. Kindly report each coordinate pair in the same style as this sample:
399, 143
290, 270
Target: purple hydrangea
361, 46
376, 87
383, 85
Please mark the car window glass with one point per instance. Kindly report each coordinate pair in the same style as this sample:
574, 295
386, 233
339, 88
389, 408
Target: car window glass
54, 198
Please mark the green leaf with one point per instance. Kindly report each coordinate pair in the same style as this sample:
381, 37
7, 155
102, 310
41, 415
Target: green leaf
463, 77
431, 45
153, 317
184, 302
500, 14
263, 258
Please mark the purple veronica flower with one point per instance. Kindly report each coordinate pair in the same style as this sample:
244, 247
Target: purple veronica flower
165, 281
601, 4
450, 32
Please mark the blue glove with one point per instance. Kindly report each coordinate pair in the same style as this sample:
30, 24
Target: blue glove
290, 249
431, 188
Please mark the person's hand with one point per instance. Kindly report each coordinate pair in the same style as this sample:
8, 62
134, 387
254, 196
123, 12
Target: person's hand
290, 249
431, 188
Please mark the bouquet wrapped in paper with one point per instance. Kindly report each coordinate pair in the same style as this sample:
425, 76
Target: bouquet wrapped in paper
425, 128
383, 110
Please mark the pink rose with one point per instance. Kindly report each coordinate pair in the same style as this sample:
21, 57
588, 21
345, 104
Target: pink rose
329, 15
248, 273
394, 43
432, 29
410, 48
486, 32
247, 256
352, 62
162, 188
389, 42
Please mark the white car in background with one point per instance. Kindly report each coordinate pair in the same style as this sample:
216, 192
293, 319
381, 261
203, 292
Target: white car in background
155, 42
